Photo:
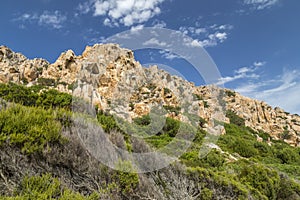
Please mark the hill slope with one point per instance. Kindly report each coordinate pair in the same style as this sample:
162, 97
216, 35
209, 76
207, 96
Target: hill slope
255, 157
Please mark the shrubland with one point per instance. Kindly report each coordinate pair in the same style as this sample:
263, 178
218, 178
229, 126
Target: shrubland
41, 158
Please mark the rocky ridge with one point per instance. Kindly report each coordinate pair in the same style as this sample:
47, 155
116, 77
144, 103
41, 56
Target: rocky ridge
110, 77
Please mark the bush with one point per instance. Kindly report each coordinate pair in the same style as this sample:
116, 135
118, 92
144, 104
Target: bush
171, 127
31, 129
30, 96
263, 179
230, 93
235, 119
107, 122
171, 109
214, 159
46, 187
18, 94
127, 177
167, 91
244, 148
46, 81
142, 121
288, 189
197, 97
288, 156
54, 99
206, 194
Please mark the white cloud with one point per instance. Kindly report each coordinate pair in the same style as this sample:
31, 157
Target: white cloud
261, 4
282, 91
192, 30
159, 24
126, 12
49, 19
168, 55
85, 7
220, 36
241, 73
136, 28
225, 27
206, 36
243, 70
259, 64
155, 42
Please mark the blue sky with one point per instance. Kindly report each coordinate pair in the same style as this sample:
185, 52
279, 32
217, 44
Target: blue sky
254, 43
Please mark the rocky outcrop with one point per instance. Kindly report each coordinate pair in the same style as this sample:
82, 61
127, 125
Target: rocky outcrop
260, 116
109, 77
15, 67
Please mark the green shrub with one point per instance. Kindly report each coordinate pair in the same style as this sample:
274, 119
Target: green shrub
285, 135
263, 179
72, 86
46, 187
29, 128
107, 122
214, 159
205, 104
126, 177
288, 156
30, 96
176, 110
244, 148
46, 81
142, 121
288, 189
53, 98
234, 118
171, 127
40, 187
159, 141
206, 194
230, 93
197, 97
19, 94
167, 91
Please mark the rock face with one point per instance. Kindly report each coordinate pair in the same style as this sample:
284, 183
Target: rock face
109, 77
260, 116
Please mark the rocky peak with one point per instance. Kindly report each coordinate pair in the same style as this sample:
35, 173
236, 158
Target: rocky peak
15, 67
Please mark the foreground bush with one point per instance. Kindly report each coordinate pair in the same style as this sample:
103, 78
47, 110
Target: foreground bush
31, 129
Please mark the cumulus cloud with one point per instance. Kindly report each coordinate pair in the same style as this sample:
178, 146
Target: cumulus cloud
49, 19
125, 12
261, 4
206, 36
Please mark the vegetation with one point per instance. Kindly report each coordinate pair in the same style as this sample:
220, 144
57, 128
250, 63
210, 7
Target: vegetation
46, 187
197, 97
230, 93
167, 91
171, 109
234, 118
30, 129
35, 96
238, 166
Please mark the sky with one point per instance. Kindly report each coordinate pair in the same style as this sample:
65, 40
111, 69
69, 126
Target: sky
254, 43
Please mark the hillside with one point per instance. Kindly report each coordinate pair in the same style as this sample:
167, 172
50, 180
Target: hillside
254, 151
